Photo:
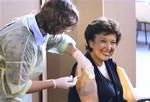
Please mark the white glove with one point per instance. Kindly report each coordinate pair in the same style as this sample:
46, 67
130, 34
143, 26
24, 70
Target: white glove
65, 82
84, 63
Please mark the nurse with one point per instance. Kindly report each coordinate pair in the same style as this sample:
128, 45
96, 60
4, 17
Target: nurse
23, 46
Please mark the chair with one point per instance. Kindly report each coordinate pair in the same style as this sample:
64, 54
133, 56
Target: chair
144, 100
143, 17
128, 90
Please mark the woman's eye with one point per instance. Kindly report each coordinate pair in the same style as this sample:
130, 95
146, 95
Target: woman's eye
103, 41
113, 42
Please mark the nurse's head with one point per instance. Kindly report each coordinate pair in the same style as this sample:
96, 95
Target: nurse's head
57, 16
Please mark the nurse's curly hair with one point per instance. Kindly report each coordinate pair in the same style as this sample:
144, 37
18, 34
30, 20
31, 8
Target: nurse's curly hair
103, 26
57, 15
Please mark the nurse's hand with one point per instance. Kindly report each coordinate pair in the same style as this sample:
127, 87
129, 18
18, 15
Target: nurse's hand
84, 64
65, 82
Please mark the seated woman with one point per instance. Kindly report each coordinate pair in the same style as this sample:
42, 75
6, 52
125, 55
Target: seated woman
111, 83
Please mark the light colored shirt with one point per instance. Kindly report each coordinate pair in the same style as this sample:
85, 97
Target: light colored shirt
32, 24
103, 70
23, 55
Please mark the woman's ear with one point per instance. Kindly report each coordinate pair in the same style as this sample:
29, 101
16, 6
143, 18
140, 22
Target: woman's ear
91, 44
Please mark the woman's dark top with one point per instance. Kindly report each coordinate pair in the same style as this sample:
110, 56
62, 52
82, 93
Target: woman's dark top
108, 90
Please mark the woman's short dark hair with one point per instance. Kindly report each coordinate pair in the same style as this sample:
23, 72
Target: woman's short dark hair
56, 15
101, 26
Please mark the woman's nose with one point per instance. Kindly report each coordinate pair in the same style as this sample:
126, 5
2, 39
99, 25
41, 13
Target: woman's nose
108, 45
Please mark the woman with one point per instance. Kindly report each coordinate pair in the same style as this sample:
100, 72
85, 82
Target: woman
23, 46
110, 84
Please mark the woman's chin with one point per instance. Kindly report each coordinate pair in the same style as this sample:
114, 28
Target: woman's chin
106, 58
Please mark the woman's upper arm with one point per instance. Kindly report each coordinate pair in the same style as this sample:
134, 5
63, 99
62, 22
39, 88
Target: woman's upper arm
86, 88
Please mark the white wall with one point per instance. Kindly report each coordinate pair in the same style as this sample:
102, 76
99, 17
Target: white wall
13, 8
124, 12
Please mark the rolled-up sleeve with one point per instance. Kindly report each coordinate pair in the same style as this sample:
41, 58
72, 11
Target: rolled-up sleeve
20, 57
58, 43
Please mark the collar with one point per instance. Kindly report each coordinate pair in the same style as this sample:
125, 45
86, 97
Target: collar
31, 21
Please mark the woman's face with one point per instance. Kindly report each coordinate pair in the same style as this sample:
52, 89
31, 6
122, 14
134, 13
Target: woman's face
103, 47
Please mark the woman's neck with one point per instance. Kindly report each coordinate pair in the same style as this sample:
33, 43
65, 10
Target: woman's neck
98, 61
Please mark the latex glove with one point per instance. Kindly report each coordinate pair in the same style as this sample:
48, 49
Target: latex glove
84, 63
65, 82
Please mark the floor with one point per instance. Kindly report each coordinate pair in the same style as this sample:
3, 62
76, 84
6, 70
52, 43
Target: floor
143, 62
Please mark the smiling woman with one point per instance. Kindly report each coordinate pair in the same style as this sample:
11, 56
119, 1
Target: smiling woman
102, 36
111, 83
